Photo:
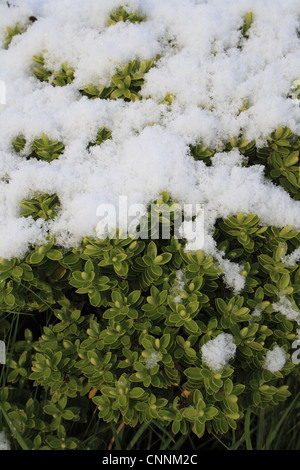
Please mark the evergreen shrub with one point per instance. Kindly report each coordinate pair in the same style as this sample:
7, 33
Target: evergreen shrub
115, 329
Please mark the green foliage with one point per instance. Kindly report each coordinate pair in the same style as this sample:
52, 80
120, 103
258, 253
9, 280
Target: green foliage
102, 135
248, 20
245, 229
201, 152
45, 149
41, 149
283, 161
125, 84
40, 71
17, 29
41, 206
280, 157
19, 143
63, 77
120, 338
168, 99
103, 333
11, 32
122, 15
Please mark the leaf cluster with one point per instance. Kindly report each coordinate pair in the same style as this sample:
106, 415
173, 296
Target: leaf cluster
123, 15
118, 340
42, 148
125, 84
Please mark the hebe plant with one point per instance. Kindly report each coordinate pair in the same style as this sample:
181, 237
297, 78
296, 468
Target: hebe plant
40, 207
15, 30
11, 32
106, 334
117, 338
41, 148
123, 15
62, 77
125, 84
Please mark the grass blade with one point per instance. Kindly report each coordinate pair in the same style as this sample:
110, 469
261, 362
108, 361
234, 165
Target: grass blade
247, 430
13, 429
137, 435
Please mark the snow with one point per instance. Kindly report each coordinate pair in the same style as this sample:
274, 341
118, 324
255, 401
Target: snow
152, 360
231, 273
275, 359
286, 308
4, 442
292, 258
217, 352
208, 66
256, 314
178, 286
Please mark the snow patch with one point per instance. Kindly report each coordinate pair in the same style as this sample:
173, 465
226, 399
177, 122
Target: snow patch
208, 66
275, 359
217, 352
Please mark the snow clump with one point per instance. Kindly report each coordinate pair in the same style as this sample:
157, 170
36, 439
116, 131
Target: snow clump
217, 352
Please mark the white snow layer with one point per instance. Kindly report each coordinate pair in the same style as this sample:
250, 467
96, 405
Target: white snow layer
286, 308
217, 352
275, 359
205, 63
152, 360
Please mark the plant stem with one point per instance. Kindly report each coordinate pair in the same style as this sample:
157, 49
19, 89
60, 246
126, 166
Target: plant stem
137, 435
115, 438
247, 430
260, 431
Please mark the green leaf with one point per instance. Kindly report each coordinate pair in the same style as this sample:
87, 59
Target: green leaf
36, 258
54, 255
68, 414
199, 429
9, 300
136, 393
193, 373
164, 258
51, 409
